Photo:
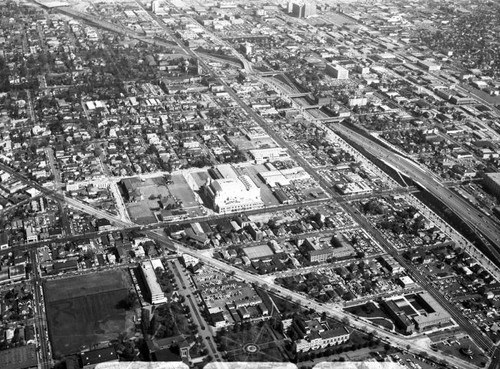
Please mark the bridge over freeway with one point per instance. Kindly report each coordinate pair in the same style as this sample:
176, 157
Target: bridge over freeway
112, 27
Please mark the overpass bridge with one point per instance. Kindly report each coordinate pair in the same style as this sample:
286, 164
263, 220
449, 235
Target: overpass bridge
223, 60
271, 73
112, 27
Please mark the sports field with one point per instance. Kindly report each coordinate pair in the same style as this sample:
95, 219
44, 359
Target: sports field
82, 311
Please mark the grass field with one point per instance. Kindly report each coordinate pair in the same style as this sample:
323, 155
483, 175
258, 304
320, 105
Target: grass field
374, 314
81, 310
383, 323
368, 310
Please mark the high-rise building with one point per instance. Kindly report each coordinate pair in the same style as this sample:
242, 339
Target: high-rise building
336, 71
297, 10
307, 9
153, 287
155, 6
247, 48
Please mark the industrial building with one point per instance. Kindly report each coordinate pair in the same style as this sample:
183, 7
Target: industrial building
283, 177
269, 154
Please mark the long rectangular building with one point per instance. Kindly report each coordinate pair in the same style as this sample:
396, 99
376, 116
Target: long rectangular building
154, 289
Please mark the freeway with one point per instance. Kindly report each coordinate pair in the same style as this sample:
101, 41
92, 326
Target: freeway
457, 316
415, 345
495, 359
262, 281
488, 227
471, 330
106, 25
313, 173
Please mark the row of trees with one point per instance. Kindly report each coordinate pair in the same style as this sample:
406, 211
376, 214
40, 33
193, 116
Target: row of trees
333, 350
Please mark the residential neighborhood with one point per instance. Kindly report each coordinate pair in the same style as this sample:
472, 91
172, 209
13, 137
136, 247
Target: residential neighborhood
226, 183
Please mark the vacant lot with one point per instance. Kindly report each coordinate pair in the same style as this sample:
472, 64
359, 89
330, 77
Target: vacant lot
82, 311
477, 358
181, 190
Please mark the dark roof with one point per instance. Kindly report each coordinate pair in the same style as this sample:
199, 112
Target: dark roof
18, 357
54, 231
99, 356
72, 362
336, 332
4, 238
217, 317
66, 265
167, 355
105, 240
101, 222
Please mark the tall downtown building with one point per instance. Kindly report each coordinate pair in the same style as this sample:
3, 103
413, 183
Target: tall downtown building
305, 10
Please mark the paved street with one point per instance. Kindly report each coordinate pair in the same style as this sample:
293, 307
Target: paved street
40, 317
428, 180
459, 206
477, 336
185, 290
261, 281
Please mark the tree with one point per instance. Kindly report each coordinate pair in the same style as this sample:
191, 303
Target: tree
128, 302
4, 76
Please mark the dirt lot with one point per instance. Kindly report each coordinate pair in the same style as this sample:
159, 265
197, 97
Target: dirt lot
82, 311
